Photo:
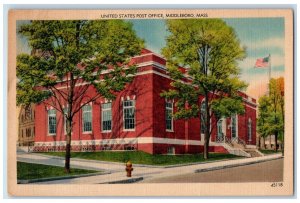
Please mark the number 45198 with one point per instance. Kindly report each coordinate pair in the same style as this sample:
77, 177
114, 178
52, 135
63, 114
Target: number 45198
277, 185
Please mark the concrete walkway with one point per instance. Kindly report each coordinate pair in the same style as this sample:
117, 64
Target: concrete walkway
117, 170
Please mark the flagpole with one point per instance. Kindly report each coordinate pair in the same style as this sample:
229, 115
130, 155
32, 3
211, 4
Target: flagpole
270, 67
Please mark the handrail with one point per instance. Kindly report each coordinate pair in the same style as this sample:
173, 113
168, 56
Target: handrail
240, 141
228, 141
220, 139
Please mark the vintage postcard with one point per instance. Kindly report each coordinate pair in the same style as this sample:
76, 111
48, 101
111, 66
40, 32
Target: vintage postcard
150, 102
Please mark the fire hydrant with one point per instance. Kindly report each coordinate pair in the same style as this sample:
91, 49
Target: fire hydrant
129, 168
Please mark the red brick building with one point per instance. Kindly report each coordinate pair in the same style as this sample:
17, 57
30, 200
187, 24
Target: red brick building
139, 119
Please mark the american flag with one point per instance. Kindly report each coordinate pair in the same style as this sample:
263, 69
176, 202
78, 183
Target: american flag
262, 62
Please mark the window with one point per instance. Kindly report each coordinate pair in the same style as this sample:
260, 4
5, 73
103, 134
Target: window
249, 129
28, 113
65, 119
203, 117
169, 118
52, 122
106, 117
171, 150
219, 128
233, 126
87, 118
129, 114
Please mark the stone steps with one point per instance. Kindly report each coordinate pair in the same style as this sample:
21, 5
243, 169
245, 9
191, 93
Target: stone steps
254, 153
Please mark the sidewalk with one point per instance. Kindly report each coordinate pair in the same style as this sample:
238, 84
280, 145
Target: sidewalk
75, 163
118, 174
213, 166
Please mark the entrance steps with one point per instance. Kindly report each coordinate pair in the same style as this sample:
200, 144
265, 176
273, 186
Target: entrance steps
254, 152
236, 151
239, 148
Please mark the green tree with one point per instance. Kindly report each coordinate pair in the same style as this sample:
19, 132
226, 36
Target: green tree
271, 111
210, 51
262, 118
78, 55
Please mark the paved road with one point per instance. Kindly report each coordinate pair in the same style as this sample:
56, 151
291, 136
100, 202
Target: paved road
269, 171
118, 173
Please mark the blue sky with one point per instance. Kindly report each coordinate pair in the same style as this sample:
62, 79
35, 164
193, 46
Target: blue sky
261, 36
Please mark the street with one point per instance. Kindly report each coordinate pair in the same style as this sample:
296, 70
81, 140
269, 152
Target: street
257, 169
269, 171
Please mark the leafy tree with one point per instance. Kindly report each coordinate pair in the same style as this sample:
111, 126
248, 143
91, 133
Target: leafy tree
78, 55
210, 51
262, 118
271, 111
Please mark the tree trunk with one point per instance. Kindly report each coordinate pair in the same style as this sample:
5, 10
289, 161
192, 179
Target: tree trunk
282, 141
207, 129
276, 137
282, 144
68, 145
206, 147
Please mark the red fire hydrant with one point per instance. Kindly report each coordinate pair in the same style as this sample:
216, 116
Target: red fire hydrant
129, 168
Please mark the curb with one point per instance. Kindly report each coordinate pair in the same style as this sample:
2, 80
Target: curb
234, 165
60, 178
131, 180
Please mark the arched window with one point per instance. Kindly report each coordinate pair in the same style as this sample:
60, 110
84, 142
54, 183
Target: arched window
203, 117
249, 129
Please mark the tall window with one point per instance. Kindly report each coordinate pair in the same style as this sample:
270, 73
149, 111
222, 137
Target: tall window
65, 119
249, 129
52, 122
28, 113
87, 118
169, 118
233, 126
219, 128
129, 114
203, 117
106, 117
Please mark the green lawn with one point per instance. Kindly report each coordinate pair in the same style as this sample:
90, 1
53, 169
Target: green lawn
28, 171
139, 157
269, 151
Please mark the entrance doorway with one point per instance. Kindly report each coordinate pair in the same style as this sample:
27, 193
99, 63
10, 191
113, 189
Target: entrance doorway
220, 131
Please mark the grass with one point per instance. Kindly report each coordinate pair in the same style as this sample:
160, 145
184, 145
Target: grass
269, 151
139, 157
27, 171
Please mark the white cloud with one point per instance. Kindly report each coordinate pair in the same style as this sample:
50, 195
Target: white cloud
275, 42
